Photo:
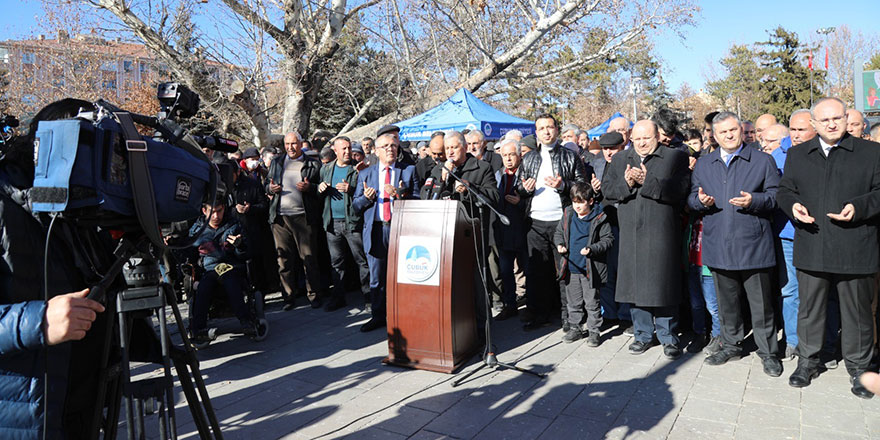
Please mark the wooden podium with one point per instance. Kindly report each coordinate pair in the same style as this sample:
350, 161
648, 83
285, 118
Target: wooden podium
430, 288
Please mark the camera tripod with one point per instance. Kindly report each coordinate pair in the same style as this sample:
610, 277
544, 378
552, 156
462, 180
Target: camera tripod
144, 296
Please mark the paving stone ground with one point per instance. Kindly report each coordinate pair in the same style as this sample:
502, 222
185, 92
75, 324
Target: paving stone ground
317, 376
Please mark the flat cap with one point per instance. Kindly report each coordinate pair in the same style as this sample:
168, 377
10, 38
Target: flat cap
529, 141
388, 129
250, 152
611, 139
357, 148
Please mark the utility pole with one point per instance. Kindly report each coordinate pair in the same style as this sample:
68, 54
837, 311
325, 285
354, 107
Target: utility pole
635, 88
822, 31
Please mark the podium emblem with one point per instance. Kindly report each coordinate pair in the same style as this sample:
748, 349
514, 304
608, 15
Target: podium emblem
420, 263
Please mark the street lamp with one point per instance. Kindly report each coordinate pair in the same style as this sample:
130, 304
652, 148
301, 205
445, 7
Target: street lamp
635, 87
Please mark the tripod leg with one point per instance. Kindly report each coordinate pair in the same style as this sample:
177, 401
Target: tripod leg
124, 374
189, 358
166, 363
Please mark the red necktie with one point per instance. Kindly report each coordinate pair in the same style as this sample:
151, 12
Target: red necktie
386, 205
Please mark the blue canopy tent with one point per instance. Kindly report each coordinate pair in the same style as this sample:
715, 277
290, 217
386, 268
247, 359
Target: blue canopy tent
602, 128
463, 111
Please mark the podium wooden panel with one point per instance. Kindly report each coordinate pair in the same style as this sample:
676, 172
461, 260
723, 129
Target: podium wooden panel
431, 327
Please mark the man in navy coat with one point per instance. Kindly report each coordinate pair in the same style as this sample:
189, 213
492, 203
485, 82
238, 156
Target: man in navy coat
377, 188
735, 189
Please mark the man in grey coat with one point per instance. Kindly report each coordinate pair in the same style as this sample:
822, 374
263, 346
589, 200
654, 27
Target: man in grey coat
734, 187
649, 182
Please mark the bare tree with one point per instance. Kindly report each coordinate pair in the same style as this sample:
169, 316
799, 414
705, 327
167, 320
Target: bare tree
845, 48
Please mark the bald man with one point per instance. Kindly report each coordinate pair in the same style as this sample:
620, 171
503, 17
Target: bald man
761, 124
831, 191
855, 122
800, 128
773, 137
621, 125
649, 183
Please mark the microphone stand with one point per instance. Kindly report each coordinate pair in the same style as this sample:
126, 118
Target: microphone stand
489, 356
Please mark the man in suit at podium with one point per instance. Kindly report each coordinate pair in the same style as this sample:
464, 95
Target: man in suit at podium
377, 188
477, 173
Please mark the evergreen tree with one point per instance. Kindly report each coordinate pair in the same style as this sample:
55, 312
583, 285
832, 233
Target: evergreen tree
874, 63
741, 89
786, 80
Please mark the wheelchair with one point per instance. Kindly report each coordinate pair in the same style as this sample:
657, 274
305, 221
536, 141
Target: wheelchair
190, 272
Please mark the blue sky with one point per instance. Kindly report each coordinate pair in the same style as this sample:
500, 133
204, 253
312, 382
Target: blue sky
720, 24
724, 23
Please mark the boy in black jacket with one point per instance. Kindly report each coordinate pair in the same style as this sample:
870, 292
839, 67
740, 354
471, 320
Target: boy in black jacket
586, 231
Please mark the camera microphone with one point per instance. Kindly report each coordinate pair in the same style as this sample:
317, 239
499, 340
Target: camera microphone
217, 143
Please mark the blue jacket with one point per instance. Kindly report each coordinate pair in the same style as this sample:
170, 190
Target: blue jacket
781, 222
736, 238
213, 247
405, 174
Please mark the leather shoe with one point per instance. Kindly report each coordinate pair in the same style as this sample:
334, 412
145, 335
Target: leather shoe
639, 347
373, 324
772, 366
722, 357
671, 351
566, 326
857, 388
506, 313
335, 304
288, 305
803, 376
317, 303
536, 323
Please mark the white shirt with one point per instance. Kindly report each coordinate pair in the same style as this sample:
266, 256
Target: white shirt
826, 148
546, 205
380, 204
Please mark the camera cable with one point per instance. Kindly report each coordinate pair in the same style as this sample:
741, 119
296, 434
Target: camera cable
46, 347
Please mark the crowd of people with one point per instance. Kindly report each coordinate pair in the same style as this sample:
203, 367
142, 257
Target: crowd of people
705, 234
723, 230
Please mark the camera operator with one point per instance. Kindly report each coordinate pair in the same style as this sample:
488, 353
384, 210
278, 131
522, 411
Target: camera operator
251, 209
222, 250
56, 340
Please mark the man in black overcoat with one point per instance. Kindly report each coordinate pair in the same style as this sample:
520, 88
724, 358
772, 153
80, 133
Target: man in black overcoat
831, 190
649, 182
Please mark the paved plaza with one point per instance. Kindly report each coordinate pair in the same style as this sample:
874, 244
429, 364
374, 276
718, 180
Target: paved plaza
317, 376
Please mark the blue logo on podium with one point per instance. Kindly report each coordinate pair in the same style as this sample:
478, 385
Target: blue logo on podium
420, 263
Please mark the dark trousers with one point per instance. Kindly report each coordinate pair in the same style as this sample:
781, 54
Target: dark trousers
508, 278
542, 288
581, 295
612, 309
648, 319
232, 283
340, 242
756, 285
294, 236
855, 293
493, 273
377, 259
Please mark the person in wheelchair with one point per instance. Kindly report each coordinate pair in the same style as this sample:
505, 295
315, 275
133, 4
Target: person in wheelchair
222, 249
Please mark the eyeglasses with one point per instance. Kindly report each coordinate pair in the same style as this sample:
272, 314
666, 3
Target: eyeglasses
826, 121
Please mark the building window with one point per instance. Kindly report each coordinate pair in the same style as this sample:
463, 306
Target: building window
28, 58
109, 66
109, 84
4, 55
128, 65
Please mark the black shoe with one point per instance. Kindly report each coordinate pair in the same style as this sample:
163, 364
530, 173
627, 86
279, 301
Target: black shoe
249, 327
506, 312
772, 366
335, 304
714, 345
289, 304
536, 323
593, 339
857, 388
317, 303
671, 351
629, 330
697, 344
803, 376
573, 334
722, 357
639, 347
202, 338
566, 326
526, 315
373, 324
